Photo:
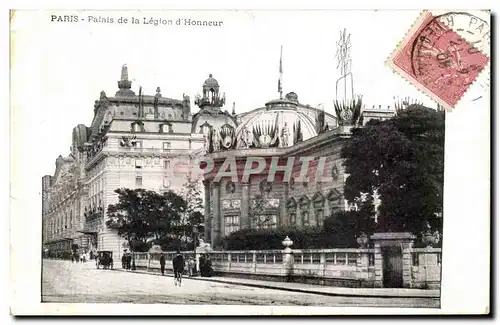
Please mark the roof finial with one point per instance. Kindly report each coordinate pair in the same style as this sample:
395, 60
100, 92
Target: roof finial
124, 84
280, 80
124, 72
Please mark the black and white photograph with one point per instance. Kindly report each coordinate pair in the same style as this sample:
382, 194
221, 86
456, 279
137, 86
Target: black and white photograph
242, 162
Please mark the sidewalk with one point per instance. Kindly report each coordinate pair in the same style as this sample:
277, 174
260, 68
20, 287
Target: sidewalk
313, 289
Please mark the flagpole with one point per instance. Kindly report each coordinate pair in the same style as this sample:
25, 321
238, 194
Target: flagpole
280, 81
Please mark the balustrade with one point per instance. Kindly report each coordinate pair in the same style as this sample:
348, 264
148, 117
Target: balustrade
346, 264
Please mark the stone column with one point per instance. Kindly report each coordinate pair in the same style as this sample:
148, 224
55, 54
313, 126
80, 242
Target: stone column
284, 217
216, 216
208, 226
245, 206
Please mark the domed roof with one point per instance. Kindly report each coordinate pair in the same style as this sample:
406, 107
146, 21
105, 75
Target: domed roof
211, 82
280, 119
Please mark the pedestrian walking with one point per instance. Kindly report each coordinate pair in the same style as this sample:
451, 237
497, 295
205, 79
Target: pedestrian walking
124, 260
191, 266
178, 264
162, 263
129, 261
202, 265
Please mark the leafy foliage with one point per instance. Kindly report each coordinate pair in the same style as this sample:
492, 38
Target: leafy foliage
195, 217
339, 231
259, 239
402, 160
141, 215
180, 234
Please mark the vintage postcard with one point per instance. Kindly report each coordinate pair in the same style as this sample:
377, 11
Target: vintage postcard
250, 162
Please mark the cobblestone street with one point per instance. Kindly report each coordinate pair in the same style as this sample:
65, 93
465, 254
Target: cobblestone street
65, 282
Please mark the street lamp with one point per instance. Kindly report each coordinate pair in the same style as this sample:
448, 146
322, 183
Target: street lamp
195, 240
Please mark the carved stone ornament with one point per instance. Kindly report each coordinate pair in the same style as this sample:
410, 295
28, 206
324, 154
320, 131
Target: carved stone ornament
230, 187
265, 187
335, 171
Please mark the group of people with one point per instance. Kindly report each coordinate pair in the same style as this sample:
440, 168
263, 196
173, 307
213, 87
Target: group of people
179, 265
206, 266
83, 257
126, 260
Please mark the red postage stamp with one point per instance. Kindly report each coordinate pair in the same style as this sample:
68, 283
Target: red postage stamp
436, 60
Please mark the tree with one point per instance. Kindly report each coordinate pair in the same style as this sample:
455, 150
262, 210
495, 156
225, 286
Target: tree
195, 217
141, 215
402, 160
191, 218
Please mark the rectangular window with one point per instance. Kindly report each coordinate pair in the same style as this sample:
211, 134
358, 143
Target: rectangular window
138, 181
138, 163
293, 218
167, 146
167, 164
167, 182
231, 224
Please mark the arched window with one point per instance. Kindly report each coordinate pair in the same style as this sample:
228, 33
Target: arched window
334, 199
319, 204
304, 205
291, 206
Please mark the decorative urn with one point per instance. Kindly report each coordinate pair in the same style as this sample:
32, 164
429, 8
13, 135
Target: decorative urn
362, 240
287, 242
430, 238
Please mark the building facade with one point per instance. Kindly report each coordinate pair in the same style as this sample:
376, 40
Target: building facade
129, 144
133, 138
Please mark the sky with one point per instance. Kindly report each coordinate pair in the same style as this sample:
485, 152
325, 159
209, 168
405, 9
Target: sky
70, 63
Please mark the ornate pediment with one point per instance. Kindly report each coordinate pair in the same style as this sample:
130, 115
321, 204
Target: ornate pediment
333, 195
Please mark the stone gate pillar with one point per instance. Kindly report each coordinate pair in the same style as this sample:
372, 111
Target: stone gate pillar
393, 254
288, 259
